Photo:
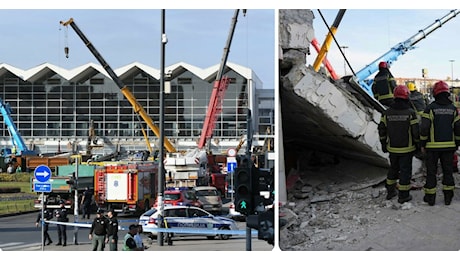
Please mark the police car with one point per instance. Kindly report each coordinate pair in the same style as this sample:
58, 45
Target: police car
183, 217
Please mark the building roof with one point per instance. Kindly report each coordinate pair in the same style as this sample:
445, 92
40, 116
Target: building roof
87, 70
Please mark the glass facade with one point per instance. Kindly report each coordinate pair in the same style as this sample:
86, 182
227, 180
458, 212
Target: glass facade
50, 107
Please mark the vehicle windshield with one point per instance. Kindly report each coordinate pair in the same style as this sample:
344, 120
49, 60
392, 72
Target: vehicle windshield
174, 196
206, 193
190, 195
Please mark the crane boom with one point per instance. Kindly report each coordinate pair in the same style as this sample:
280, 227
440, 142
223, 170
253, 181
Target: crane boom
17, 140
124, 89
218, 91
398, 50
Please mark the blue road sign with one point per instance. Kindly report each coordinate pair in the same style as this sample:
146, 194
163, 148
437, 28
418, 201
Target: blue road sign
231, 166
42, 187
42, 173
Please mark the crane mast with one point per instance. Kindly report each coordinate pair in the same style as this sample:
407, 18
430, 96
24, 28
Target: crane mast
138, 108
218, 91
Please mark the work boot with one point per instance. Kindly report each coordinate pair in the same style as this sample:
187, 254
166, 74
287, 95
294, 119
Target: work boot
404, 196
448, 195
429, 198
391, 191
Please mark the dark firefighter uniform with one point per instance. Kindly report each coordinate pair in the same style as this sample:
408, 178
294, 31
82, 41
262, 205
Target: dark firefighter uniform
440, 137
383, 85
47, 215
61, 216
399, 135
98, 231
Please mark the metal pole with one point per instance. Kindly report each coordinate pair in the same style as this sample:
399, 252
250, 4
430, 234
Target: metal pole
75, 210
43, 221
161, 175
248, 155
452, 72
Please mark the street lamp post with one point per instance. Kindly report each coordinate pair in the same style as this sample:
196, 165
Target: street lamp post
344, 60
452, 72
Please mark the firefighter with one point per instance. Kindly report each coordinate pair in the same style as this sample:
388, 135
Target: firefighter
399, 136
383, 85
440, 138
416, 98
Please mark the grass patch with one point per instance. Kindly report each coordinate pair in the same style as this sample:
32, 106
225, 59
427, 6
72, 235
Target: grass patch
16, 206
17, 202
24, 186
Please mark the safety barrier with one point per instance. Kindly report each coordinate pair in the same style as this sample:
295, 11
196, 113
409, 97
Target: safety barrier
200, 231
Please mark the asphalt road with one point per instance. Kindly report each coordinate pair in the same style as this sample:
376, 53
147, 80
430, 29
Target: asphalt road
20, 234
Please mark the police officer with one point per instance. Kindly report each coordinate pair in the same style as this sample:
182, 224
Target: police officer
399, 135
98, 231
112, 230
61, 216
440, 138
383, 85
47, 215
86, 202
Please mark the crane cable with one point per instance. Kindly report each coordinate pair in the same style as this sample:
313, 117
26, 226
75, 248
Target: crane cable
336, 42
66, 42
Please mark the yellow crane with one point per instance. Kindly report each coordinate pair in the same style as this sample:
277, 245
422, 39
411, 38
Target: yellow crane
138, 108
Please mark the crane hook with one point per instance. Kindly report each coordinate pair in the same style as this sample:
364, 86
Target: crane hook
66, 51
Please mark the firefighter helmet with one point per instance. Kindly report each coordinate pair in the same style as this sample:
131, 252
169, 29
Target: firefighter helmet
411, 86
383, 65
440, 87
401, 91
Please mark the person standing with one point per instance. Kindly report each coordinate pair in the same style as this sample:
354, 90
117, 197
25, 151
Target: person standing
129, 244
399, 136
440, 138
86, 201
417, 99
98, 231
61, 216
138, 238
112, 230
383, 85
47, 215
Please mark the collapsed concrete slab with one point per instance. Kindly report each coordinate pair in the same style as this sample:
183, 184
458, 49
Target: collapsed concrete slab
317, 112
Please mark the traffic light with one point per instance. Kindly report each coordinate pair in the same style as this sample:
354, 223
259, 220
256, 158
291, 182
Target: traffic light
72, 181
243, 196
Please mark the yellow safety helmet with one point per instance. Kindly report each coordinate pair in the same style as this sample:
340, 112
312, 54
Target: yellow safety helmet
411, 86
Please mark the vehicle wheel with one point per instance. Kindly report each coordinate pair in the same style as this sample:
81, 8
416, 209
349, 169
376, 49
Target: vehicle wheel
224, 236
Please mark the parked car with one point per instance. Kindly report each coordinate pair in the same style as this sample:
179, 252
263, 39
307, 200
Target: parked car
52, 200
210, 198
178, 197
187, 217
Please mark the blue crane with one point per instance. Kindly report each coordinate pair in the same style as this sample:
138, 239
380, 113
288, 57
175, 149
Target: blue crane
362, 76
18, 143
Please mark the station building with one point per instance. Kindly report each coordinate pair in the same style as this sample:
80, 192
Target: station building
53, 108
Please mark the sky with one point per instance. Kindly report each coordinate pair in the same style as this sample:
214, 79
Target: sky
370, 33
30, 37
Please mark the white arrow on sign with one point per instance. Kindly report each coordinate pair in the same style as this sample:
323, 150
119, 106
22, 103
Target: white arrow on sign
43, 174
